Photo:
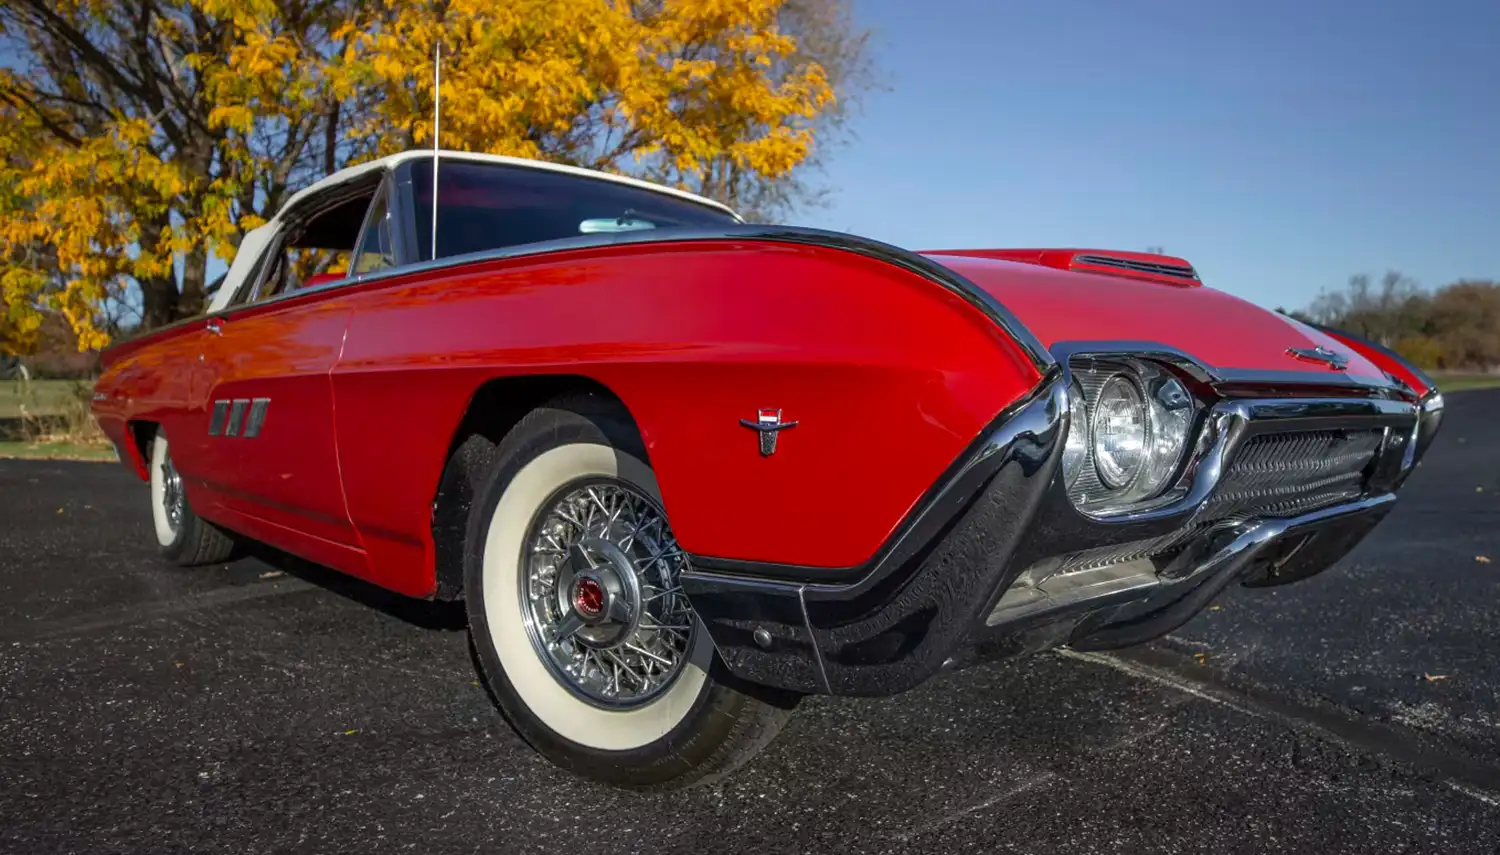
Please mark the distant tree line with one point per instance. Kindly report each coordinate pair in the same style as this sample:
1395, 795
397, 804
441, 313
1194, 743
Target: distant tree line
1454, 328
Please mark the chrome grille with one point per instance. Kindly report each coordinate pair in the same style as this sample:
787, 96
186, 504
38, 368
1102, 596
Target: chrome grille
1285, 474
1122, 553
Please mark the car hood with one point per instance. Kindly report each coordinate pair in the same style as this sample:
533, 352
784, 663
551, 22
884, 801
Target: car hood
1220, 330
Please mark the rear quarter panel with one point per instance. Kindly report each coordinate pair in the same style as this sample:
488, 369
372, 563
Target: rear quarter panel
149, 381
889, 377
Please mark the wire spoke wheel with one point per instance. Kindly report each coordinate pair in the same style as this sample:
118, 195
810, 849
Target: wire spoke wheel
600, 594
172, 495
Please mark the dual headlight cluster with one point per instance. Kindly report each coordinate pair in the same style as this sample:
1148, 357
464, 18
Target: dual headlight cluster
1130, 426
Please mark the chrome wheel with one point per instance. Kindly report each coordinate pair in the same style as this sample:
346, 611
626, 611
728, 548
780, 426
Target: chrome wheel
173, 501
600, 595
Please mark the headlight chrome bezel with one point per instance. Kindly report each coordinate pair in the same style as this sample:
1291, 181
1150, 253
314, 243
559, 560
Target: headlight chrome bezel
1120, 389
1078, 446
1171, 415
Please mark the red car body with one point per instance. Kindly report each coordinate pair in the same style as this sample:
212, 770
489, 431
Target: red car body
892, 364
871, 360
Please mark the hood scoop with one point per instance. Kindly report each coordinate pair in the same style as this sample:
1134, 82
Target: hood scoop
1145, 266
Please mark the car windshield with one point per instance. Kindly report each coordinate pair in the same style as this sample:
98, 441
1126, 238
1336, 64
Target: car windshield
487, 206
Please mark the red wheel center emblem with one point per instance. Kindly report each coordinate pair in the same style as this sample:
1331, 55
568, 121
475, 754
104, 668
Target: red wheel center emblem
588, 597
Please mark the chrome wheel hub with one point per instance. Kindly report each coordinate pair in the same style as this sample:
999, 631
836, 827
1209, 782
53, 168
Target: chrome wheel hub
600, 595
172, 498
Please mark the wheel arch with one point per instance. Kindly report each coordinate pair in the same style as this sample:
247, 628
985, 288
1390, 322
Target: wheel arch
140, 433
495, 407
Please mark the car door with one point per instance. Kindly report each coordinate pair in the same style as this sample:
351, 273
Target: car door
270, 434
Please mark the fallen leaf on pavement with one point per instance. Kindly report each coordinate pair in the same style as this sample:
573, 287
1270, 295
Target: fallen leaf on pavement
1201, 657
350, 732
1215, 607
1431, 677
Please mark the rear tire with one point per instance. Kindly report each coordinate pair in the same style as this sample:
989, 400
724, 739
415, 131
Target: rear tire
182, 536
604, 719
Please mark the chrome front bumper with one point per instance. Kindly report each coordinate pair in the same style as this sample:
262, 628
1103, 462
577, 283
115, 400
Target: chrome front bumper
1132, 602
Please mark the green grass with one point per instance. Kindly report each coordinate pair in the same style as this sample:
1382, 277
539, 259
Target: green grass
47, 398
1459, 382
56, 451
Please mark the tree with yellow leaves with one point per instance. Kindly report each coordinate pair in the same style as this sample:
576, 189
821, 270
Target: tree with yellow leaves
138, 138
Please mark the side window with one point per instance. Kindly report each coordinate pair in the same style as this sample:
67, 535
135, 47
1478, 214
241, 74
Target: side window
325, 240
270, 277
375, 251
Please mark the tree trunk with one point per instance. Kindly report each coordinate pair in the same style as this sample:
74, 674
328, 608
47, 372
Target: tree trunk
158, 302
159, 294
194, 277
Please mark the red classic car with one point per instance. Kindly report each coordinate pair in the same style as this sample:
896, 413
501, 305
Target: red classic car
683, 470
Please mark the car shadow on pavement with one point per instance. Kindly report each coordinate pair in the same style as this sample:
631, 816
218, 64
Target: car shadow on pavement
425, 614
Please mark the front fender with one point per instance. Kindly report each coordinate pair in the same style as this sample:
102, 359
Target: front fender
888, 375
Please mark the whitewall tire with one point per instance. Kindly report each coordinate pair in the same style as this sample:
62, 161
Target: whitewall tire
581, 634
181, 535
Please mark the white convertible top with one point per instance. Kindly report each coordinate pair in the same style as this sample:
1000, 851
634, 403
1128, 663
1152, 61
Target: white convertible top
255, 240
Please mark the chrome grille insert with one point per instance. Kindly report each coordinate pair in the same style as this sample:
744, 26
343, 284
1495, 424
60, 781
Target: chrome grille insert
1285, 474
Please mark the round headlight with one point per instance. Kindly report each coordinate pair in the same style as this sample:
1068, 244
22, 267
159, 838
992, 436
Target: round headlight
1122, 432
1076, 448
1171, 412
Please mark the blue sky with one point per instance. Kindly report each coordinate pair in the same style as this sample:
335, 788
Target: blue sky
1278, 146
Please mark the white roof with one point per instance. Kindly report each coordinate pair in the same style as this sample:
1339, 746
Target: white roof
255, 240
391, 161
251, 246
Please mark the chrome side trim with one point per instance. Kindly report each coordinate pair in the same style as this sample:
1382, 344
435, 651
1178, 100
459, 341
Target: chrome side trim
911, 261
236, 416
220, 415
257, 418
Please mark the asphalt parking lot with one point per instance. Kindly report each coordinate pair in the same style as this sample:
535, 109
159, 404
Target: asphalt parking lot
276, 708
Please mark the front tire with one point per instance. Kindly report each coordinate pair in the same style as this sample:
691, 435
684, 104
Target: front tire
183, 537
591, 653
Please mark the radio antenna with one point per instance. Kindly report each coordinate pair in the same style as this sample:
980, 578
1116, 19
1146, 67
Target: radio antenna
437, 112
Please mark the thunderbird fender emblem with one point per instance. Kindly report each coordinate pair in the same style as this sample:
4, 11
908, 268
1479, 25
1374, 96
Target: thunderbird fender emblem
768, 422
1334, 360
